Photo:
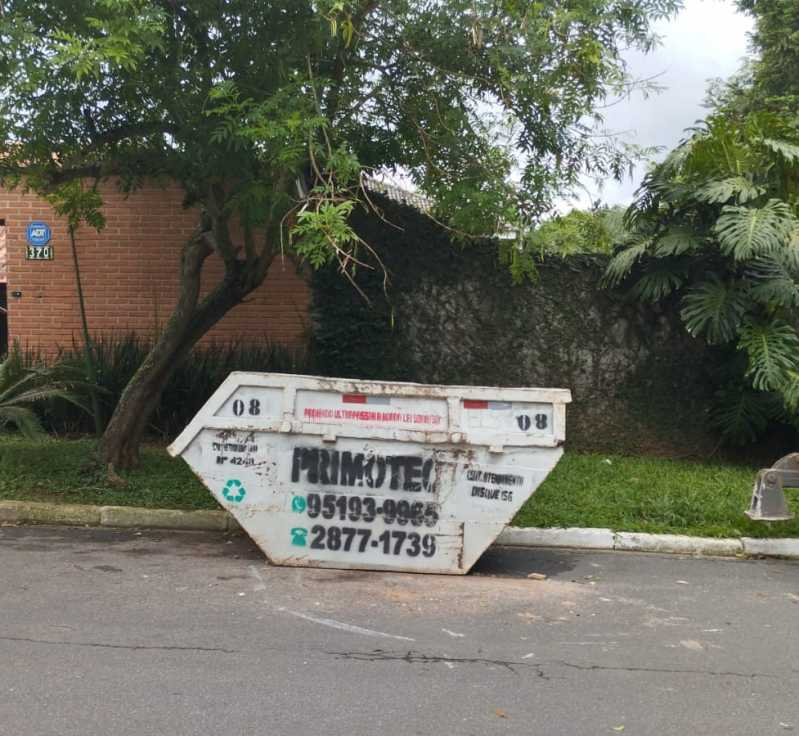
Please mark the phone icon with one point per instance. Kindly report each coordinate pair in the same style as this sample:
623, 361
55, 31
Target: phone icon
298, 535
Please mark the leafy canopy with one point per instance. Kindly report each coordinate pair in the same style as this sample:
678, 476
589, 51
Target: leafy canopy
597, 230
271, 112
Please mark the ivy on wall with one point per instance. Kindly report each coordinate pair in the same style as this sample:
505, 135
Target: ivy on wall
453, 315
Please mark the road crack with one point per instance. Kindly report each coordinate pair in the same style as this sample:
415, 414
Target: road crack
129, 647
539, 668
412, 657
664, 670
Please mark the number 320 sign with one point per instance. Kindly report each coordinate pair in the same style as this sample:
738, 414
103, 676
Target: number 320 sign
38, 236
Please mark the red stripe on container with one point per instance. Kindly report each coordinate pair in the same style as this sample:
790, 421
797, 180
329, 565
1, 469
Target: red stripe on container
353, 398
474, 404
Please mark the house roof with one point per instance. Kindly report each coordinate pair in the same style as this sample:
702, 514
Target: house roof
418, 200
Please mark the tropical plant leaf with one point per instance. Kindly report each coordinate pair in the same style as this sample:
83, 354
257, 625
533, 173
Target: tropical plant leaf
714, 308
677, 241
23, 387
723, 190
659, 282
745, 232
790, 391
622, 263
774, 283
740, 414
46, 393
772, 348
22, 418
789, 151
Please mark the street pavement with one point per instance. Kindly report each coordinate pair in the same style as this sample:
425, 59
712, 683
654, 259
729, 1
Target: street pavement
110, 633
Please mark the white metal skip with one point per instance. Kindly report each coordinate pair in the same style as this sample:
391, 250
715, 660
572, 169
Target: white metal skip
345, 473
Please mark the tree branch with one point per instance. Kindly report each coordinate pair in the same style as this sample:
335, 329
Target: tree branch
131, 130
343, 55
223, 243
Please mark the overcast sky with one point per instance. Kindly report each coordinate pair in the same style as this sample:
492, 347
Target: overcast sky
707, 39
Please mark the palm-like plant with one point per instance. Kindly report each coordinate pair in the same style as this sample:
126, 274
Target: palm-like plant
22, 387
717, 223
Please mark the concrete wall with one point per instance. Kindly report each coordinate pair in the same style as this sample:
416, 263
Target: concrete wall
452, 314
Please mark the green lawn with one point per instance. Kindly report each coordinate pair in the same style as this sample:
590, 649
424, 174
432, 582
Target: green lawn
644, 494
622, 493
61, 470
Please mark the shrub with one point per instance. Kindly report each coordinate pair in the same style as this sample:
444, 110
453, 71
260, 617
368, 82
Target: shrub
118, 357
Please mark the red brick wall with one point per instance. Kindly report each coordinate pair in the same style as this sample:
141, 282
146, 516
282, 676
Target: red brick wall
130, 275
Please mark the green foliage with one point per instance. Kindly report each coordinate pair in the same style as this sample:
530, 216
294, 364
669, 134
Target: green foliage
659, 282
593, 231
714, 309
24, 387
776, 42
716, 223
120, 34
289, 103
747, 232
720, 191
623, 261
677, 241
118, 357
741, 415
731, 191
324, 231
272, 115
772, 347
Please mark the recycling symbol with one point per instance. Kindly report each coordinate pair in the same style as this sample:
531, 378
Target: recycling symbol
234, 491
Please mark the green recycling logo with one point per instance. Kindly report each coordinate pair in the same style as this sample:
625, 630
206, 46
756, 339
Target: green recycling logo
234, 491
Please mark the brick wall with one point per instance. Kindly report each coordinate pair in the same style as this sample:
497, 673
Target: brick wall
130, 275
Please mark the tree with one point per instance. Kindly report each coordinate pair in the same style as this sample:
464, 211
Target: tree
597, 230
776, 43
270, 113
717, 225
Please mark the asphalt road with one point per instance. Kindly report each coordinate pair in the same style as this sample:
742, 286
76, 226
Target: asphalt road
114, 633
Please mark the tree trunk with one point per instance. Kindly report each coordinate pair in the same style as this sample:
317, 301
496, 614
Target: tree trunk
119, 446
191, 319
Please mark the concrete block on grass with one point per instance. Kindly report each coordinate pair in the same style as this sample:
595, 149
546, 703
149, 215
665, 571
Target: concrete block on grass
571, 537
131, 516
677, 544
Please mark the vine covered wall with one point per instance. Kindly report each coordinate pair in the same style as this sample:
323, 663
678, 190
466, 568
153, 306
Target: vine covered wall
451, 314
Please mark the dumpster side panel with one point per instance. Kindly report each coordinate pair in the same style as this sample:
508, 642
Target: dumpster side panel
330, 473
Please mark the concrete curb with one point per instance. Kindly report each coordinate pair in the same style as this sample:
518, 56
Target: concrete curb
639, 542
132, 517
573, 537
118, 517
677, 543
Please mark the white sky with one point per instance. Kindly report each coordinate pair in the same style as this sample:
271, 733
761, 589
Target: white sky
707, 39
